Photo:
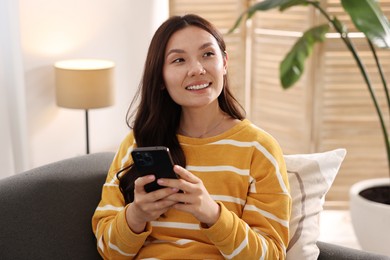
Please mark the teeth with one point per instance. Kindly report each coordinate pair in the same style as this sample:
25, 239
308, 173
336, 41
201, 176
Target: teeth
197, 87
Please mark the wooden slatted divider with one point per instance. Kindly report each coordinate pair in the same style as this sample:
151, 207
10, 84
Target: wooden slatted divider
328, 108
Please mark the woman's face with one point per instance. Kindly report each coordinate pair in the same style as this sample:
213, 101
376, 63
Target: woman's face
194, 68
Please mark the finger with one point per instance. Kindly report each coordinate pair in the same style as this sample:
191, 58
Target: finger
185, 174
160, 194
141, 182
183, 207
171, 183
164, 204
159, 207
182, 198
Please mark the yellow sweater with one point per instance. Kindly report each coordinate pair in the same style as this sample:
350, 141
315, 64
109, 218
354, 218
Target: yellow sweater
243, 170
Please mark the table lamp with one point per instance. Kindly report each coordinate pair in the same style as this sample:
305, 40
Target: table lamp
84, 84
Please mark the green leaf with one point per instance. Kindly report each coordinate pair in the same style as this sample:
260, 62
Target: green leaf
265, 6
237, 23
292, 67
292, 3
369, 19
270, 4
340, 27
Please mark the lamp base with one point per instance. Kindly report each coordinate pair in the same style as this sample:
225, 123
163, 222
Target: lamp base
87, 129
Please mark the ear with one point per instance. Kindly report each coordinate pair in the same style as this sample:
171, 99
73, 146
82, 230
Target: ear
225, 62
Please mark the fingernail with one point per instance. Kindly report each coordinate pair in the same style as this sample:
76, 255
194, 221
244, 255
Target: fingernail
160, 181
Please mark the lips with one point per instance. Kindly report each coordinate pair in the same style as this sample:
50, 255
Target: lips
198, 87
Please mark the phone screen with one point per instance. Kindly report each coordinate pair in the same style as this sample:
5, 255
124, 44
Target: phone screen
153, 160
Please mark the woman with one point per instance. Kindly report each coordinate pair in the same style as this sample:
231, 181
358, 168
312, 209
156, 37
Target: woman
234, 202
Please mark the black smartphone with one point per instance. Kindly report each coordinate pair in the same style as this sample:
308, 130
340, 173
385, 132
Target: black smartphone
154, 160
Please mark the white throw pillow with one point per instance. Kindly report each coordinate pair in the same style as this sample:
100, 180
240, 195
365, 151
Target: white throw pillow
310, 176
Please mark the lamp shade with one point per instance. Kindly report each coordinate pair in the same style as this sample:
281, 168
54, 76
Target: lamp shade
84, 83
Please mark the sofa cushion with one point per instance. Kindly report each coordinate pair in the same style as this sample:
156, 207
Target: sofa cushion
310, 177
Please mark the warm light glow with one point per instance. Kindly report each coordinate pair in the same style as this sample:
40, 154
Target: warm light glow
84, 64
84, 83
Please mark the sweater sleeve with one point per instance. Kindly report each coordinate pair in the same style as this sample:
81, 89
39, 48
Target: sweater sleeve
115, 240
262, 230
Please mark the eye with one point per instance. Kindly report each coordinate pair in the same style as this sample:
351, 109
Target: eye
208, 54
178, 60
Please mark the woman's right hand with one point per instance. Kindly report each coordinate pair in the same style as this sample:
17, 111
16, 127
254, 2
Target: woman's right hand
147, 206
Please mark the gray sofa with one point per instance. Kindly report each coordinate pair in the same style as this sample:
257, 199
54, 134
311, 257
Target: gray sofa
46, 212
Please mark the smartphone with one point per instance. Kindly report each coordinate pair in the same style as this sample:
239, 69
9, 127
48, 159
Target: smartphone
154, 160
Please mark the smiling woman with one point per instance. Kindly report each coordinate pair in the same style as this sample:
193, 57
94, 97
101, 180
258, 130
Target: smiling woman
231, 199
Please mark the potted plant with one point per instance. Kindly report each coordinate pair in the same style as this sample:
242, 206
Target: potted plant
368, 18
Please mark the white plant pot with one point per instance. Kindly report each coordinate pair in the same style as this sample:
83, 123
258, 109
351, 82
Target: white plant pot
370, 220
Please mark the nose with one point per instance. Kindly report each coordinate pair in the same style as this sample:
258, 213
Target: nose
196, 68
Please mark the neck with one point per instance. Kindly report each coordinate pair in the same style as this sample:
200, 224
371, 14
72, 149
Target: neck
200, 124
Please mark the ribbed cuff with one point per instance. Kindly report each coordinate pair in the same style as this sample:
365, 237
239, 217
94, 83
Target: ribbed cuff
126, 235
222, 228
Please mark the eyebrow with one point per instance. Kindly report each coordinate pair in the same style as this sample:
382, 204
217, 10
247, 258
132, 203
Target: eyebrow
202, 47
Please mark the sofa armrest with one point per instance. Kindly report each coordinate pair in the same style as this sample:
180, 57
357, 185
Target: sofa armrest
334, 252
46, 212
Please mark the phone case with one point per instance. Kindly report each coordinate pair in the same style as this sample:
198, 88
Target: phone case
153, 160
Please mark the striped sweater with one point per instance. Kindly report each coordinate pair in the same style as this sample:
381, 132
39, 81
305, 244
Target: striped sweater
244, 172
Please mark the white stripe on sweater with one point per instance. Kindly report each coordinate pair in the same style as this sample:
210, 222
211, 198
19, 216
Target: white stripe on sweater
100, 244
178, 225
267, 215
125, 158
264, 151
228, 199
184, 241
241, 247
227, 168
264, 247
178, 242
115, 247
111, 185
109, 207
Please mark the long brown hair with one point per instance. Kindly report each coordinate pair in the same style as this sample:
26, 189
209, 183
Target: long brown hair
156, 120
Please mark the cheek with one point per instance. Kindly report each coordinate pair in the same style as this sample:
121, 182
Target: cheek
171, 84
217, 68
219, 73
175, 96
170, 76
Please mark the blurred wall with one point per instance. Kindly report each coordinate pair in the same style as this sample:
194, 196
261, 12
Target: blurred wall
55, 30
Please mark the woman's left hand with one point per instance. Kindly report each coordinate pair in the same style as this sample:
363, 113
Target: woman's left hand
195, 199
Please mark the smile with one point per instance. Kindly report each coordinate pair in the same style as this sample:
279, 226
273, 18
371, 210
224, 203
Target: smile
198, 87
